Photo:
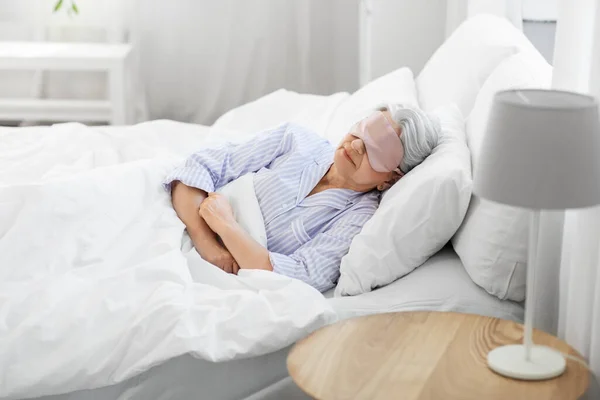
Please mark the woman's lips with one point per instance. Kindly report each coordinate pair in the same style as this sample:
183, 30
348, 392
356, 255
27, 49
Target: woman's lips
347, 155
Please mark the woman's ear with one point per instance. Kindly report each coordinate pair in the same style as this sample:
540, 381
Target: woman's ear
395, 177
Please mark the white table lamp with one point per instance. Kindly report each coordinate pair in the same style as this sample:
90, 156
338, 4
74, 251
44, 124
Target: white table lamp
541, 152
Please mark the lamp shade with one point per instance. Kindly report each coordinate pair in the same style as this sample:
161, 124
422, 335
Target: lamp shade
541, 150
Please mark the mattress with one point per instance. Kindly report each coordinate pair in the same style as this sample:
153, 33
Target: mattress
440, 284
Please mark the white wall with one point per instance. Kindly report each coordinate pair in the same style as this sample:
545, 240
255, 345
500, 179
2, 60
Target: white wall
540, 25
540, 10
541, 34
406, 33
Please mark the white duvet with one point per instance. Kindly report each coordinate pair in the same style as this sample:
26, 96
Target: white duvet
98, 281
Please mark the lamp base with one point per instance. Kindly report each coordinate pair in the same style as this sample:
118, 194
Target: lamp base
545, 363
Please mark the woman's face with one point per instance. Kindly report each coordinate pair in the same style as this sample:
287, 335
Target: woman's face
352, 162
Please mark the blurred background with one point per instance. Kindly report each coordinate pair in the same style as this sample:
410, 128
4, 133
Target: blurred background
195, 59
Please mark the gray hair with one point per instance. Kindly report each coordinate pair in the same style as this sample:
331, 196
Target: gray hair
420, 133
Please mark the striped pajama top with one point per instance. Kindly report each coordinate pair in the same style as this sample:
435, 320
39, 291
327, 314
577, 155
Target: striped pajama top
306, 236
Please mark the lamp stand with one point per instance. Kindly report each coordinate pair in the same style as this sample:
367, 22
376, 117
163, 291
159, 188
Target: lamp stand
527, 361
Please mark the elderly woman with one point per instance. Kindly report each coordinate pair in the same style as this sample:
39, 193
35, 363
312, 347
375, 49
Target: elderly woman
314, 198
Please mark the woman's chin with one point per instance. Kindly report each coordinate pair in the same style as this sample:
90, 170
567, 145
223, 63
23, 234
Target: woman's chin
344, 169
341, 162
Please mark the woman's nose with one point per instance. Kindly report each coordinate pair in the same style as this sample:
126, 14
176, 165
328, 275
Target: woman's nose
358, 146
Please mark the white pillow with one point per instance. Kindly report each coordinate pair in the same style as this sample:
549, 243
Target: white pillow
416, 217
492, 241
458, 69
396, 87
246, 210
281, 106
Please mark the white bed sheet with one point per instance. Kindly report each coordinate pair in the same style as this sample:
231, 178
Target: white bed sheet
440, 284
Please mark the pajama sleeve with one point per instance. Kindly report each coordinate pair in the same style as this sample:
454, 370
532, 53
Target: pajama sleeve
317, 262
213, 167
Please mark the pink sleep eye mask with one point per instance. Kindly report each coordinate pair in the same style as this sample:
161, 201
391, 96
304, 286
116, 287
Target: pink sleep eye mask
384, 148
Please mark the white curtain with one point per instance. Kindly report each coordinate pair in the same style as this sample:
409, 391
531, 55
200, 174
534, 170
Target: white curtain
577, 67
201, 58
460, 10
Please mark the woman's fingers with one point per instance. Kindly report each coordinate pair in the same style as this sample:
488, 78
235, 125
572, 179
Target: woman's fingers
236, 268
206, 211
228, 266
213, 204
202, 208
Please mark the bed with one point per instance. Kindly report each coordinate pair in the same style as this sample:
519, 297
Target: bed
441, 283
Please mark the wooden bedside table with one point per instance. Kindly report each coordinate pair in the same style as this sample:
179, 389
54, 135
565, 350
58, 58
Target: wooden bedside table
421, 355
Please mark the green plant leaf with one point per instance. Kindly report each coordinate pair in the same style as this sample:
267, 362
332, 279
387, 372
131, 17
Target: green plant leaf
74, 8
58, 5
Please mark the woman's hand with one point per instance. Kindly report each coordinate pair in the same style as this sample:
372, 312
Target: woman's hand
218, 255
217, 213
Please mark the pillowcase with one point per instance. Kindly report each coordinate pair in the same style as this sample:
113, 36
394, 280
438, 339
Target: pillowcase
492, 240
458, 69
417, 216
396, 87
